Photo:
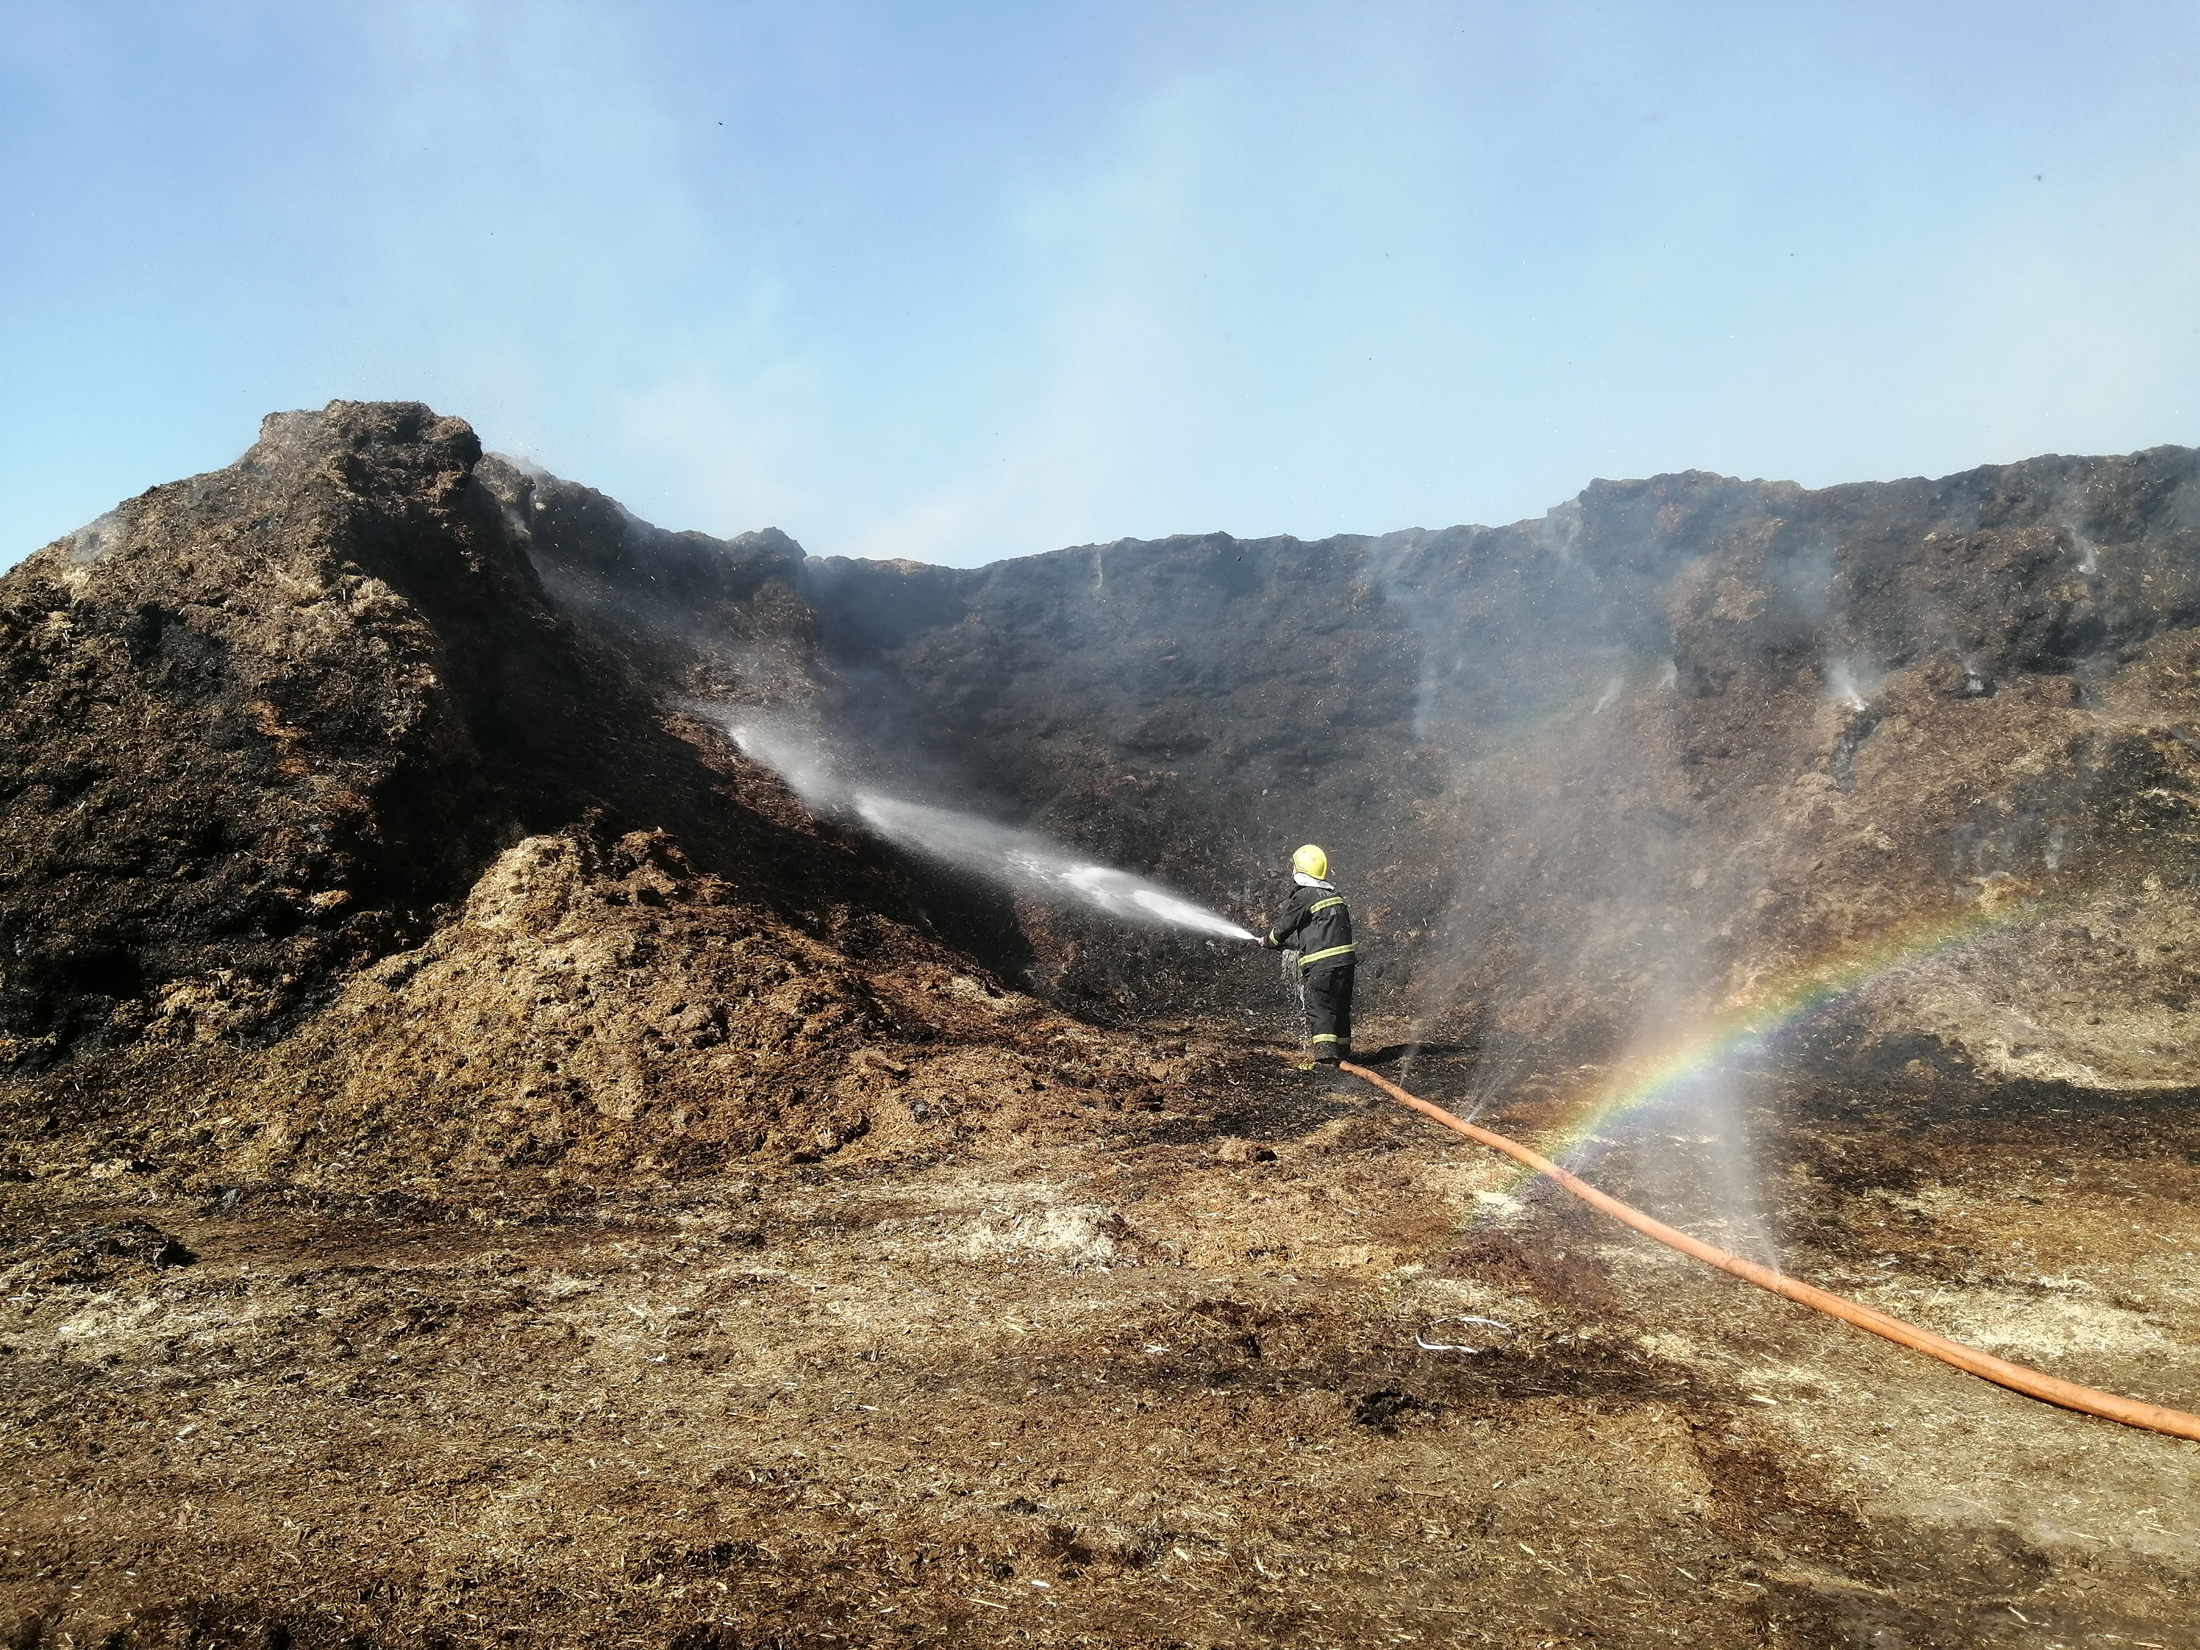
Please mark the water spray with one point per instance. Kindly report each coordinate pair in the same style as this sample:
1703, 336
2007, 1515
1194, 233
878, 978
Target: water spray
1031, 865
2132, 1412
1022, 861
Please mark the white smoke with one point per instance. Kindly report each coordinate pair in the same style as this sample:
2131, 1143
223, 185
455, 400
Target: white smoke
1021, 861
1851, 685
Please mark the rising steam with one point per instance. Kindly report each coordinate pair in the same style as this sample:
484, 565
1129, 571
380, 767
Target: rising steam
1021, 861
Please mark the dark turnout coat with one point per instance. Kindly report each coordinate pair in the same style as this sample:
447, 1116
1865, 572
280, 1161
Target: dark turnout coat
1318, 925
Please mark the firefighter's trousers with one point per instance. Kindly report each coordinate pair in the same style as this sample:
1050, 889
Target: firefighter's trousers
1328, 996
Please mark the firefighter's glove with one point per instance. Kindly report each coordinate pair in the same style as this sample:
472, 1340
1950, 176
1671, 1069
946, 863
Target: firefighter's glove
1268, 943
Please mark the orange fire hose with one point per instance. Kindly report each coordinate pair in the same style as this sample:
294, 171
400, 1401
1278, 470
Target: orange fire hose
1985, 1365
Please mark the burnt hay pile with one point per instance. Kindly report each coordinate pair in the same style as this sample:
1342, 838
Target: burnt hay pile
335, 854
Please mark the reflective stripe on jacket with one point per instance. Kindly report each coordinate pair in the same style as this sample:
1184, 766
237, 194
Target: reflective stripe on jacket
1322, 925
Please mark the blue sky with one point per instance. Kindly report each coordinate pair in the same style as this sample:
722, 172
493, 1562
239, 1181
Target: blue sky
958, 281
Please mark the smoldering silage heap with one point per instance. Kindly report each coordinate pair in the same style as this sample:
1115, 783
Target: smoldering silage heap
1686, 747
332, 852
359, 780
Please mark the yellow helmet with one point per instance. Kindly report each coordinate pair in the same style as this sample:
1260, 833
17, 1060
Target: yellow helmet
1312, 861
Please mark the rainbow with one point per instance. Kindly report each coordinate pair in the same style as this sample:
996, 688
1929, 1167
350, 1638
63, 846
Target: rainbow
1665, 1074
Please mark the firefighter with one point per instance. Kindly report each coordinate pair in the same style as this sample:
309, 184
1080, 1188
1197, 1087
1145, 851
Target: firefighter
1318, 926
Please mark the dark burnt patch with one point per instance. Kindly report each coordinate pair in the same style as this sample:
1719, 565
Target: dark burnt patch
1549, 1264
